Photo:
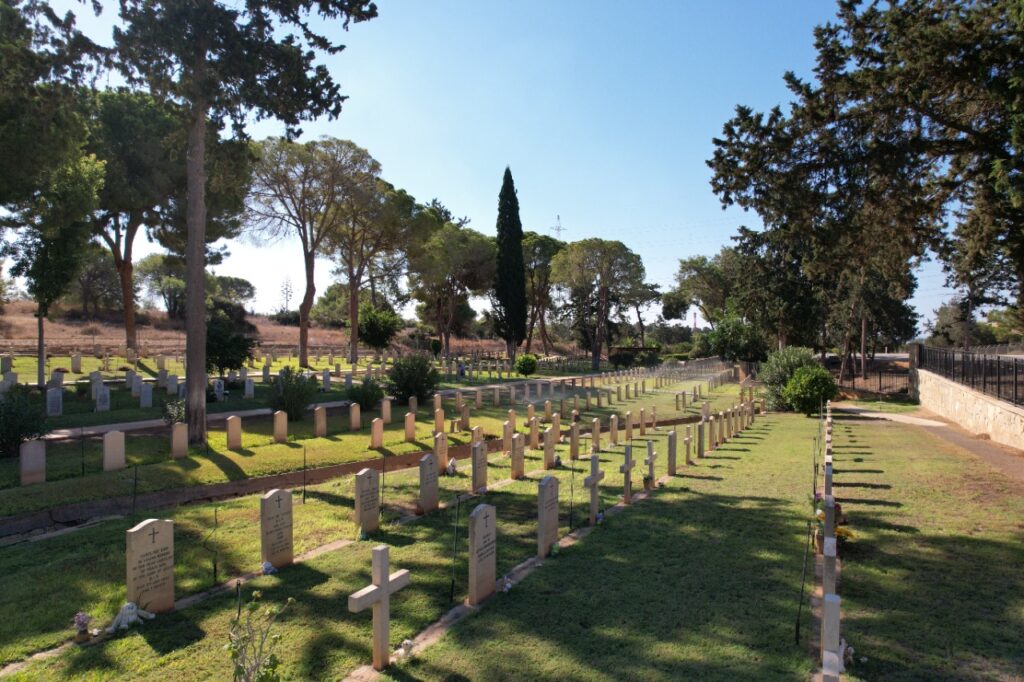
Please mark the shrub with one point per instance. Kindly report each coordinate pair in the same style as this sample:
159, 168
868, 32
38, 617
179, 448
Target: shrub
436, 347
367, 394
293, 393
526, 364
251, 642
779, 368
20, 421
289, 318
377, 326
413, 375
622, 359
648, 358
809, 388
174, 412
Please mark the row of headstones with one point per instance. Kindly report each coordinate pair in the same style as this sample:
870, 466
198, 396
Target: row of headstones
482, 520
831, 641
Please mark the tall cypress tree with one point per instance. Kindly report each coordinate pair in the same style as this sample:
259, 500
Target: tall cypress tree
509, 300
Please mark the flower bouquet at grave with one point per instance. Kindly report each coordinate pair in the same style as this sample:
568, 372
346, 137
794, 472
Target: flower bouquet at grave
81, 621
648, 482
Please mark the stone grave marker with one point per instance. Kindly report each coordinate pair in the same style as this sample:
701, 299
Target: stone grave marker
385, 410
276, 544
367, 502
179, 440
574, 441
476, 434
518, 457
113, 450
410, 427
234, 429
218, 390
149, 559
54, 402
428, 483
626, 469
652, 457
103, 398
280, 426
355, 420
414, 404
146, 396
613, 430
439, 420
534, 434
378, 596
672, 452
32, 462
595, 435
591, 482
547, 515
483, 544
643, 422
464, 423
549, 448
478, 455
629, 427
377, 433
506, 437
172, 384
441, 450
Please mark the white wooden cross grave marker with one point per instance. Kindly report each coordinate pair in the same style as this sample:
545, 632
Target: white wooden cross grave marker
651, 457
378, 595
626, 469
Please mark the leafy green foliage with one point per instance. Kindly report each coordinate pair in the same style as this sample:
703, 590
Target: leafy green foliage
733, 338
622, 359
779, 368
173, 412
436, 347
367, 393
526, 364
251, 641
509, 299
413, 375
331, 309
648, 358
229, 337
293, 392
378, 326
288, 318
20, 420
809, 388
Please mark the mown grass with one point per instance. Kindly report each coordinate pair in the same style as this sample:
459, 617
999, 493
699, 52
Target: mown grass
891, 405
86, 568
259, 456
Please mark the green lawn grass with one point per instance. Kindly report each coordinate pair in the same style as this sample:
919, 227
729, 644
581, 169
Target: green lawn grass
260, 456
891, 405
700, 582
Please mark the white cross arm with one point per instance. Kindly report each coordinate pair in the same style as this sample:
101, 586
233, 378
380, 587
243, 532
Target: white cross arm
371, 594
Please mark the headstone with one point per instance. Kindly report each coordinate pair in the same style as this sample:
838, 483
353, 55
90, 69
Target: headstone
547, 515
76, 363
414, 404
146, 396
234, 432
326, 379
574, 441
549, 448
280, 426
179, 440
172, 384
113, 450
518, 457
595, 435
476, 434
438, 420
428, 483
828, 580
410, 427
592, 481
367, 502
276, 543
534, 434
643, 422
482, 553
613, 430
377, 433
626, 469
629, 427
441, 450
506, 437
464, 423
102, 398
378, 596
700, 438
149, 558
385, 410
54, 402
355, 421
32, 462
672, 452
479, 467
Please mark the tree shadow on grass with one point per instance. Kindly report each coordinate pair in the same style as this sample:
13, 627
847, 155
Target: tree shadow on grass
228, 466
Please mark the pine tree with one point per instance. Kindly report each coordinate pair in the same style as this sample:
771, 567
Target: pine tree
509, 300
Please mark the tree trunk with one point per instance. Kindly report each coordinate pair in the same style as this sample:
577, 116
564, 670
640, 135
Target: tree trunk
309, 260
863, 345
544, 338
195, 277
124, 274
640, 323
40, 349
353, 319
599, 330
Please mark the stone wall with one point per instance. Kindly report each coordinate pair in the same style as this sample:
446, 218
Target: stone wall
974, 411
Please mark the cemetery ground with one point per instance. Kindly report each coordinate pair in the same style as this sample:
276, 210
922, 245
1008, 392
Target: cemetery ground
702, 579
261, 456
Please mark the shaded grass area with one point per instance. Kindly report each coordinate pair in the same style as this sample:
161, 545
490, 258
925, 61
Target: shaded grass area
932, 587
892, 404
85, 569
259, 456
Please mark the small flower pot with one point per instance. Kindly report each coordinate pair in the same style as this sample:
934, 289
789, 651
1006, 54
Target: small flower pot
648, 484
82, 636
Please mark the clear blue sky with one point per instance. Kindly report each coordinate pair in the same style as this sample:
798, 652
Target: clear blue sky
604, 111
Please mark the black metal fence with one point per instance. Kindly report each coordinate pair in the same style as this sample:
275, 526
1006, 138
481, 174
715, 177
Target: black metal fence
1000, 376
877, 381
